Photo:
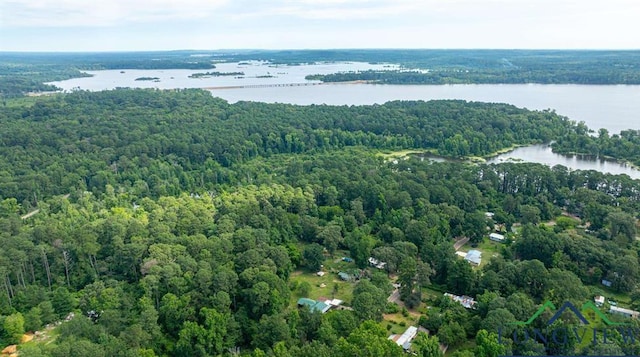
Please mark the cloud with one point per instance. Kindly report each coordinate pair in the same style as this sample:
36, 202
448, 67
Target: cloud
83, 13
335, 9
171, 24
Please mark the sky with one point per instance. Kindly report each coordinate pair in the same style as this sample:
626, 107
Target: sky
140, 25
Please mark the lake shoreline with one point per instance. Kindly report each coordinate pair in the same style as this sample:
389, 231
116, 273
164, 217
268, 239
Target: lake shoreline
543, 154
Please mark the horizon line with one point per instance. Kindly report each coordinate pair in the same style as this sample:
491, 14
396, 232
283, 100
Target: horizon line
327, 49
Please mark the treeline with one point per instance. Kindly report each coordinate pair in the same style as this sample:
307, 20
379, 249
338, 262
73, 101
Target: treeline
453, 58
87, 140
17, 80
481, 76
476, 66
623, 146
215, 74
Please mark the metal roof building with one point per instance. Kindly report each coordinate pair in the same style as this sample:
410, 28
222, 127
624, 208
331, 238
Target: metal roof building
474, 257
406, 337
314, 305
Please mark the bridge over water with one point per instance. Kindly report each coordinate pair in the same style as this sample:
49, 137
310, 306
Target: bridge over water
273, 85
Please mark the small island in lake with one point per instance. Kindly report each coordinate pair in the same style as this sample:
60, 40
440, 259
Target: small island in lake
215, 74
155, 79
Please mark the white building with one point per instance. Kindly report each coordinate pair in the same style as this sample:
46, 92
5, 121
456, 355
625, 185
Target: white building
376, 263
406, 338
496, 237
624, 312
599, 300
474, 257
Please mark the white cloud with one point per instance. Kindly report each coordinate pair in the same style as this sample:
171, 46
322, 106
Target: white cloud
333, 10
172, 24
79, 13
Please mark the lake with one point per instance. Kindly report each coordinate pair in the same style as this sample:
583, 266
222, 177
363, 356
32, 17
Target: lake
614, 107
542, 154
254, 73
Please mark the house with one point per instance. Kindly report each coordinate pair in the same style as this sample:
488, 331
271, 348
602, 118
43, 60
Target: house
599, 300
314, 305
405, 339
330, 302
474, 257
322, 307
624, 312
464, 300
497, 237
376, 263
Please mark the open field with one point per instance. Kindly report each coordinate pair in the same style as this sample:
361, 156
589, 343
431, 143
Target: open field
398, 322
401, 154
323, 286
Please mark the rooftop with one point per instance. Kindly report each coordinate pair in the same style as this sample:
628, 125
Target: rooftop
315, 305
464, 300
376, 263
406, 337
621, 310
474, 256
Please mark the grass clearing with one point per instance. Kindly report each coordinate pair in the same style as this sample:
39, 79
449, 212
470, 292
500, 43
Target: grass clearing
398, 322
401, 154
431, 295
622, 299
323, 286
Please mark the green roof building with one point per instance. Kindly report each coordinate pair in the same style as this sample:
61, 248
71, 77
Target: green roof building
314, 305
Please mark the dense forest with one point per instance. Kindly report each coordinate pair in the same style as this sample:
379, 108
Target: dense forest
88, 140
484, 76
172, 223
21, 73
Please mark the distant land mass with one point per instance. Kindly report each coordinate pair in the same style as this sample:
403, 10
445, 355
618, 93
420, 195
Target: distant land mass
21, 73
215, 74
